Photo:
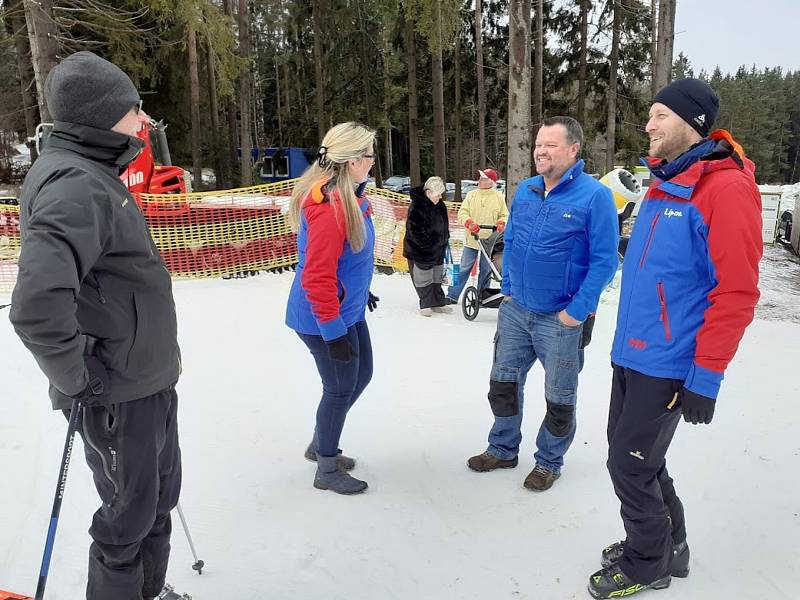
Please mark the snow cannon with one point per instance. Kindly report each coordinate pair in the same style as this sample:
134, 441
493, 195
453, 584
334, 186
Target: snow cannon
625, 190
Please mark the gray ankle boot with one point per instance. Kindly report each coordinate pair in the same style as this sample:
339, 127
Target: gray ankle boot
345, 462
330, 477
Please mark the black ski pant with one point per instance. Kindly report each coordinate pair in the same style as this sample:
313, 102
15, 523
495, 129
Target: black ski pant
133, 453
427, 280
640, 430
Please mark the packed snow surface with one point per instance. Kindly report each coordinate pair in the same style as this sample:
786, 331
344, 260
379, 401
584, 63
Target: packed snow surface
427, 528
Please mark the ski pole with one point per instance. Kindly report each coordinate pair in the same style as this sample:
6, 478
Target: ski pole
60, 485
198, 564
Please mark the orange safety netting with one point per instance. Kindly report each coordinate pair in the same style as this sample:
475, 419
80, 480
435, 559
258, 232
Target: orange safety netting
236, 232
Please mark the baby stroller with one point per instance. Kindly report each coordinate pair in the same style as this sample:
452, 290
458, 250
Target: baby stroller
490, 249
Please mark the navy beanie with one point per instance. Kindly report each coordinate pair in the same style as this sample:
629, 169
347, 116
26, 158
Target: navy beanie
693, 101
88, 90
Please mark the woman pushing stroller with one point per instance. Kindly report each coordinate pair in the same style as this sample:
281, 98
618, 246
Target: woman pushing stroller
482, 206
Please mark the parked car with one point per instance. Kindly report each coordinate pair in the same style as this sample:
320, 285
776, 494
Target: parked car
467, 185
397, 183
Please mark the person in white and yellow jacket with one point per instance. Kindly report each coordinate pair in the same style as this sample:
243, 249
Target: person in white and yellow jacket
482, 206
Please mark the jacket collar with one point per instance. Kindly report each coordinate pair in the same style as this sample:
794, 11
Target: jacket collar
112, 149
680, 176
537, 185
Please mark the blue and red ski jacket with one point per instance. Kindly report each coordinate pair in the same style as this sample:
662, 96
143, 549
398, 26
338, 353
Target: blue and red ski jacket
331, 284
690, 276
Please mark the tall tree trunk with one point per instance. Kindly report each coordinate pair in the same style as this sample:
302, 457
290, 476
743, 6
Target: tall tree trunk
666, 39
538, 68
287, 97
480, 82
246, 163
669, 38
44, 46
437, 81
365, 76
230, 109
19, 31
519, 95
319, 91
457, 115
194, 103
279, 112
611, 120
582, 59
214, 109
387, 153
413, 117
653, 46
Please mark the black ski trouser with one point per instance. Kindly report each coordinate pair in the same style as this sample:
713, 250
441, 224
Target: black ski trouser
640, 430
427, 282
133, 453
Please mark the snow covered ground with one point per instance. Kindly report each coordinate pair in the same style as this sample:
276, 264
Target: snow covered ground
427, 528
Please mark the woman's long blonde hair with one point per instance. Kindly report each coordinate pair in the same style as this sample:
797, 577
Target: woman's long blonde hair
342, 143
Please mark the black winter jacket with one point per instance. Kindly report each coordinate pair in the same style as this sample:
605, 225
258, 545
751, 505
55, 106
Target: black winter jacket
89, 267
427, 230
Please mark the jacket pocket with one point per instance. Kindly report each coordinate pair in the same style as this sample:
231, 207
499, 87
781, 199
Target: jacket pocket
560, 226
664, 314
649, 241
154, 333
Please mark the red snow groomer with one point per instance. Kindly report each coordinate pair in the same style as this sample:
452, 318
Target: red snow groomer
152, 171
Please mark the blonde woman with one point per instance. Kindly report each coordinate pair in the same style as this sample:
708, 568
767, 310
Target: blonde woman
425, 244
330, 292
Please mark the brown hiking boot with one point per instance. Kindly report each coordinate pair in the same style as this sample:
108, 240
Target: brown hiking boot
540, 479
489, 462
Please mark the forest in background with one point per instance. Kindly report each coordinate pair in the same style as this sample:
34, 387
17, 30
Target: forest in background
450, 85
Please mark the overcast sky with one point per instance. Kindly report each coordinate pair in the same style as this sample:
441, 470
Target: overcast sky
730, 33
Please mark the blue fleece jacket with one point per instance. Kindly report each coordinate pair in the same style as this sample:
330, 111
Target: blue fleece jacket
561, 250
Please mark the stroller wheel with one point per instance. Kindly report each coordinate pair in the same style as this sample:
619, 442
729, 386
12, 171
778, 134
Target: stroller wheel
471, 303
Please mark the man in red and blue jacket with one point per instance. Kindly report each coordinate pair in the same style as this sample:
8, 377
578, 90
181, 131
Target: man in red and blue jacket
689, 290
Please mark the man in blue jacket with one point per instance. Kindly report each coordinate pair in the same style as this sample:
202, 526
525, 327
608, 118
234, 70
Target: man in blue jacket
560, 253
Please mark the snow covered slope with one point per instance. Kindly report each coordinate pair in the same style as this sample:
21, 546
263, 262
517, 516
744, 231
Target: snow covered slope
428, 528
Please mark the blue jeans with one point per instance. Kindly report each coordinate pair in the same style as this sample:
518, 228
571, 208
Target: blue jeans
522, 337
468, 257
342, 384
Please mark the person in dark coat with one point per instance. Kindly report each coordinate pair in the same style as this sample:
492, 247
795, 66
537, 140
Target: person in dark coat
93, 303
425, 245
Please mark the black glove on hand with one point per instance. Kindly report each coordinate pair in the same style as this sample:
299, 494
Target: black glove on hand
696, 408
372, 302
98, 390
586, 332
340, 349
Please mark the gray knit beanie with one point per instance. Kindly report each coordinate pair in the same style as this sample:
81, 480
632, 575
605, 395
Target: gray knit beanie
88, 90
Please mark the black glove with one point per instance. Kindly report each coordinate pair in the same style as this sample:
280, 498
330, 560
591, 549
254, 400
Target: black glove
98, 391
372, 302
696, 408
340, 349
586, 332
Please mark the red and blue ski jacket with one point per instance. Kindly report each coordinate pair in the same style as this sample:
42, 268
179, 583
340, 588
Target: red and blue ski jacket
331, 284
690, 275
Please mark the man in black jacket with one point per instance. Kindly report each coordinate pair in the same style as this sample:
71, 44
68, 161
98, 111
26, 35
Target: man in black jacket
93, 303
425, 244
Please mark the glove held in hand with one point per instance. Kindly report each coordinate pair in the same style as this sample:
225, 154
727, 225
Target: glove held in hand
98, 390
340, 349
372, 301
696, 408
